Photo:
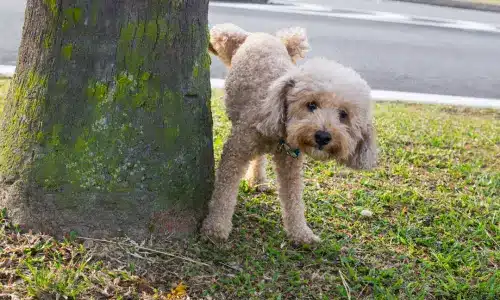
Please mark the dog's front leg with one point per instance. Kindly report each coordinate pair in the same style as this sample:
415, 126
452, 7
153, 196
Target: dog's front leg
233, 163
290, 187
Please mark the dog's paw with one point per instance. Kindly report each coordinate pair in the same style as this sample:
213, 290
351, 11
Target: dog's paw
309, 239
216, 229
263, 188
260, 185
304, 236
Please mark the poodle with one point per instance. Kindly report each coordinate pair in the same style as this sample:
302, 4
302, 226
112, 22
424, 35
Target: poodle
225, 39
320, 109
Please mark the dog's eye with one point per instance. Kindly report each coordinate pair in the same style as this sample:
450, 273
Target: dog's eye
312, 106
343, 115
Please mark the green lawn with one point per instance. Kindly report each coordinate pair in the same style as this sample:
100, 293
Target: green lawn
434, 231
4, 85
497, 2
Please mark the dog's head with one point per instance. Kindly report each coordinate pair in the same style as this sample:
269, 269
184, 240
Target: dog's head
325, 110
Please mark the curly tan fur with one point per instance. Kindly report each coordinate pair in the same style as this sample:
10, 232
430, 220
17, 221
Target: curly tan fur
268, 98
295, 41
226, 38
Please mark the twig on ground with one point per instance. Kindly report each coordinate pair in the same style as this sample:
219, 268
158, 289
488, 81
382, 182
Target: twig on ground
147, 249
492, 239
230, 267
136, 255
362, 290
346, 286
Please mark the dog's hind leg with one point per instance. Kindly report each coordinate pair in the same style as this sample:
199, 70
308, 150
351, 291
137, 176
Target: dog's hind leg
234, 161
290, 187
256, 174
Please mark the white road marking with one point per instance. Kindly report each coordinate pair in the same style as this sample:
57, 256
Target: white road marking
381, 95
392, 16
7, 70
301, 5
217, 83
379, 16
377, 95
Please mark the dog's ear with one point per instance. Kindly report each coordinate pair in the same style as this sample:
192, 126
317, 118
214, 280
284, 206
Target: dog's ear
365, 154
295, 41
211, 49
272, 122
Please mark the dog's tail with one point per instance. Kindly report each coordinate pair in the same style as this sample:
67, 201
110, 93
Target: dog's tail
295, 41
226, 38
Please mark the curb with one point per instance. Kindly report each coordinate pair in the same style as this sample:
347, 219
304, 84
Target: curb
7, 71
457, 4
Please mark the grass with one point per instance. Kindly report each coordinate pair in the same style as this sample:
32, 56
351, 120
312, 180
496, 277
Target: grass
496, 2
434, 232
4, 86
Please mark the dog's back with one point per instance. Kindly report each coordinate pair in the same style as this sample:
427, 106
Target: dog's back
257, 63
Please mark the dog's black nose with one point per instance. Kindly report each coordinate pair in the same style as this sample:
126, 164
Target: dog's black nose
322, 138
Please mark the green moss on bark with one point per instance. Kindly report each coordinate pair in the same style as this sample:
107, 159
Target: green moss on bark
72, 16
104, 156
19, 130
100, 158
52, 6
67, 51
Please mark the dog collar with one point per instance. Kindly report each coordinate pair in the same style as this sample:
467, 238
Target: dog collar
292, 152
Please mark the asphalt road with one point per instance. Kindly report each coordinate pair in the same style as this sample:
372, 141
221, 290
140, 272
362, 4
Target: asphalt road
390, 56
11, 23
409, 9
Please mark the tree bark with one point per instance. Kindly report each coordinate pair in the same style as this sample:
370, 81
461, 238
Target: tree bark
107, 128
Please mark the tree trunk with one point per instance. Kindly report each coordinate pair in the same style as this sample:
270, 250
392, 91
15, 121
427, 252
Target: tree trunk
107, 128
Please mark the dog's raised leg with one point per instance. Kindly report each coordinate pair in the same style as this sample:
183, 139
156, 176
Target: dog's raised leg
233, 163
256, 174
290, 187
